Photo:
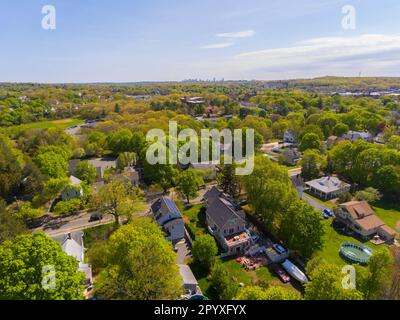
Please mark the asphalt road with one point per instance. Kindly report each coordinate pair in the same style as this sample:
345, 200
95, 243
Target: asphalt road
317, 205
77, 223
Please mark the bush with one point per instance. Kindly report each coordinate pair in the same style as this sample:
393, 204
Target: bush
222, 282
370, 195
68, 206
204, 250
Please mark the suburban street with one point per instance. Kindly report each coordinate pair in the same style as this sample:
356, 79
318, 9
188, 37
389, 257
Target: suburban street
76, 223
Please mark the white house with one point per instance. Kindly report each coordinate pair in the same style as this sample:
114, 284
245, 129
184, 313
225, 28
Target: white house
356, 135
72, 244
328, 187
169, 218
73, 190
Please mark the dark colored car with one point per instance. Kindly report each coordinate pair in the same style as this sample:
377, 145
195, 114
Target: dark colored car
36, 223
96, 217
329, 212
281, 273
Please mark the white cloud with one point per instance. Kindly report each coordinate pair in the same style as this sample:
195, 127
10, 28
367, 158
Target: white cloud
372, 54
240, 34
218, 45
323, 49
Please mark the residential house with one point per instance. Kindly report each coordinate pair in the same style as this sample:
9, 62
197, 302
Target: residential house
328, 188
73, 190
356, 135
103, 164
190, 284
289, 136
72, 244
227, 222
169, 218
191, 102
359, 217
130, 175
291, 156
331, 142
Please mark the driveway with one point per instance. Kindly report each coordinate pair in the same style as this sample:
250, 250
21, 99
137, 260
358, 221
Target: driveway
182, 252
314, 203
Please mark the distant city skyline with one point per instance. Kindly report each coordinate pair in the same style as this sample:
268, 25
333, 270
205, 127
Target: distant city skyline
100, 41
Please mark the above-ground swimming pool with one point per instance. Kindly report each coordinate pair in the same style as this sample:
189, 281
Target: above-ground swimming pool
355, 253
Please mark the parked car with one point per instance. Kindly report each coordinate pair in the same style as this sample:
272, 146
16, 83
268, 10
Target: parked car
281, 273
329, 212
278, 248
325, 215
36, 223
96, 217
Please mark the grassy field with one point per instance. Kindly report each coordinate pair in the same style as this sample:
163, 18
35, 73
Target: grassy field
61, 124
97, 234
262, 275
333, 240
195, 220
389, 213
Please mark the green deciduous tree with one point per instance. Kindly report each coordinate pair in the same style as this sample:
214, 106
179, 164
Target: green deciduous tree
11, 164
370, 195
340, 129
27, 212
126, 159
140, 265
10, 225
52, 164
268, 191
372, 280
66, 207
310, 141
312, 163
119, 199
326, 284
187, 184
86, 172
228, 181
222, 282
271, 293
23, 264
302, 228
204, 250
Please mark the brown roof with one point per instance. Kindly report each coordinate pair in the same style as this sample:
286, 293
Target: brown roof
370, 222
358, 209
388, 230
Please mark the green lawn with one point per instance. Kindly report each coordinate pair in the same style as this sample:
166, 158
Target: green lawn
97, 234
195, 220
61, 124
236, 270
333, 240
389, 213
328, 204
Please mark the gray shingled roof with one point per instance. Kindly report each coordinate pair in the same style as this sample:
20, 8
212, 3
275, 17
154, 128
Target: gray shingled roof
221, 211
212, 194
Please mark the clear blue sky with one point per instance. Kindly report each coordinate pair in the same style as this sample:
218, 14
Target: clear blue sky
150, 40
